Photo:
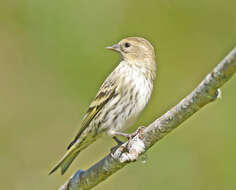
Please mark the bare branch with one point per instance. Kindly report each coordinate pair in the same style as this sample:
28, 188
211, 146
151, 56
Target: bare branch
206, 92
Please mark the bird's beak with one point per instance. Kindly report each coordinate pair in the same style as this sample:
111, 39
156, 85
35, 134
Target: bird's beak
115, 47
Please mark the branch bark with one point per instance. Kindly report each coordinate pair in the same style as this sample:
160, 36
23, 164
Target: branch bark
206, 92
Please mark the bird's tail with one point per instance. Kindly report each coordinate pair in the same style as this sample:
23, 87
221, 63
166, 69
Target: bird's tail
66, 161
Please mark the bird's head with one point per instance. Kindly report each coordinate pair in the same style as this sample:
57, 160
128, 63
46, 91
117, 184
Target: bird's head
134, 49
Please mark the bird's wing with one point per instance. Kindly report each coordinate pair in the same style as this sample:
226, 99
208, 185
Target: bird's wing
105, 93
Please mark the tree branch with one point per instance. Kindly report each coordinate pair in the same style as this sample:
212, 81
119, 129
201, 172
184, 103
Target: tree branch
206, 92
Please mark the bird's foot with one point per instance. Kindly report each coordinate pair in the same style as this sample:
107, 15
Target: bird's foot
131, 149
128, 136
119, 143
138, 131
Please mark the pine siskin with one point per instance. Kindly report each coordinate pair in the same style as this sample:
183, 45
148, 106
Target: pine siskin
120, 99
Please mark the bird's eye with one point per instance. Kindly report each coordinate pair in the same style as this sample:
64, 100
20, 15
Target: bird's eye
127, 44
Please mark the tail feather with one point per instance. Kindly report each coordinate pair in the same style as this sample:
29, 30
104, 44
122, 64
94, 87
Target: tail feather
66, 164
66, 161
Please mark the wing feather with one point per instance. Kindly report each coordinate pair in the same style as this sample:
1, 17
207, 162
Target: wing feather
105, 93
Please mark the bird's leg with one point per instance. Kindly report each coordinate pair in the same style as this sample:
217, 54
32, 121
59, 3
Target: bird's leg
138, 131
130, 150
117, 133
119, 145
118, 141
128, 136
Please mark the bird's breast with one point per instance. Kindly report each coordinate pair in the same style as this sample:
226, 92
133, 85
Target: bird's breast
132, 95
139, 89
135, 93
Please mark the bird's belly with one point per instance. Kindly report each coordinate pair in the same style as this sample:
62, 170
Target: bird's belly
127, 107
122, 120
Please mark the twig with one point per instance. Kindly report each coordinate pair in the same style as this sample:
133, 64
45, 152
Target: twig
206, 92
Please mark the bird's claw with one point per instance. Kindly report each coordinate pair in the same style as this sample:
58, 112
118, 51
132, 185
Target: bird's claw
125, 151
138, 131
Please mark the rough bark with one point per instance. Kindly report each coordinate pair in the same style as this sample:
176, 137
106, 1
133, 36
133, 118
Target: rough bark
206, 92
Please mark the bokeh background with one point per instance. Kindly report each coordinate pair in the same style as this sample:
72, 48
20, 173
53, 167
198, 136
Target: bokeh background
52, 62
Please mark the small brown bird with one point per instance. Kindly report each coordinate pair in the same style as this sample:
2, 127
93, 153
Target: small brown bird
120, 99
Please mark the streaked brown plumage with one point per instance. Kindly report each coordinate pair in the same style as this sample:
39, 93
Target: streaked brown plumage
120, 99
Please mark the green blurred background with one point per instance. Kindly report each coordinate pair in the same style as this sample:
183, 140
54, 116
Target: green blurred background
52, 62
